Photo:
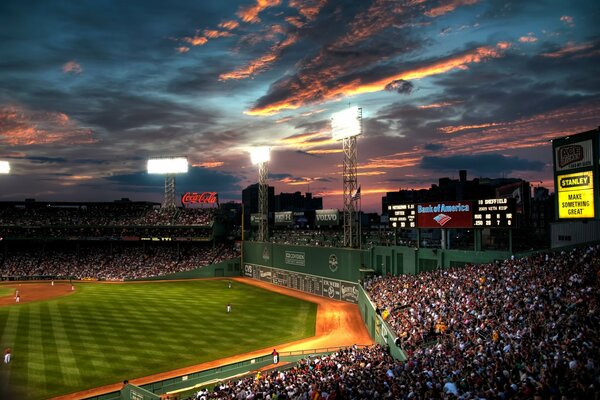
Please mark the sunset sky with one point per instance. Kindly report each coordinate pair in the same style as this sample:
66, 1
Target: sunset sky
90, 89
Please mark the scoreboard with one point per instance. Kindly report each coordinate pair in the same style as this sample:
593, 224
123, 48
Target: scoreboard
402, 216
494, 213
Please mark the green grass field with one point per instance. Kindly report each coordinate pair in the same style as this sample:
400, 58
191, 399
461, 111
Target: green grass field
106, 333
4, 291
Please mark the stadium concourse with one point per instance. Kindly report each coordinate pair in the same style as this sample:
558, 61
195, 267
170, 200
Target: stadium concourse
519, 329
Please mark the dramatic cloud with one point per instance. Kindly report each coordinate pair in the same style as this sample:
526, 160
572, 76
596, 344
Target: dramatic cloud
20, 126
446, 6
250, 14
317, 86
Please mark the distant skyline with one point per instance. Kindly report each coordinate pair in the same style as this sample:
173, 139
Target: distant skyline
90, 89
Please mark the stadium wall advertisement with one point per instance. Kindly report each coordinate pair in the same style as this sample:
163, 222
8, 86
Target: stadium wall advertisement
284, 218
327, 217
576, 195
331, 288
450, 214
574, 155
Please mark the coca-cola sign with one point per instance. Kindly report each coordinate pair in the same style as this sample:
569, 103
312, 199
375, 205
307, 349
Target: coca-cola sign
199, 198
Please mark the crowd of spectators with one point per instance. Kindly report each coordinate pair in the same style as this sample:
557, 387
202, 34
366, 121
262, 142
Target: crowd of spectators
104, 232
518, 329
307, 237
135, 214
115, 262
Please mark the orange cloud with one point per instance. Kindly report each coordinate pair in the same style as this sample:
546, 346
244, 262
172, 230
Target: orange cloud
325, 151
318, 87
307, 140
523, 133
454, 129
250, 14
22, 127
448, 6
439, 105
195, 40
309, 9
213, 33
261, 63
182, 49
209, 164
530, 38
72, 67
230, 25
569, 49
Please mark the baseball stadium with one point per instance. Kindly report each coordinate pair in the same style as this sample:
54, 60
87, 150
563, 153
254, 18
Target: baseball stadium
142, 300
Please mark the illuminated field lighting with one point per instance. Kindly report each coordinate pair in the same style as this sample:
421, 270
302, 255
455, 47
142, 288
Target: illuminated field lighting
346, 123
177, 165
4, 167
260, 155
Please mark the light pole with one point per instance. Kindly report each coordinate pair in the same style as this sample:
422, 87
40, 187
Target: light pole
168, 166
346, 125
260, 156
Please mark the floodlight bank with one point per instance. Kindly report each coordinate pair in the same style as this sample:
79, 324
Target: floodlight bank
167, 165
346, 123
260, 155
4, 167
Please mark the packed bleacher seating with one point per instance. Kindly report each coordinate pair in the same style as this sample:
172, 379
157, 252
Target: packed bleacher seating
326, 238
103, 214
518, 329
112, 262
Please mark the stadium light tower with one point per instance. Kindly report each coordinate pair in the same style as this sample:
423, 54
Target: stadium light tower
346, 125
169, 167
4, 167
260, 156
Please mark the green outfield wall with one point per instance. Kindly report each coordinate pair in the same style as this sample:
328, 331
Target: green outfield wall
327, 262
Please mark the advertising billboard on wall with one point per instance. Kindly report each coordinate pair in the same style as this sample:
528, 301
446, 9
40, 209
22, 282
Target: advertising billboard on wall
448, 214
327, 217
284, 218
576, 195
574, 155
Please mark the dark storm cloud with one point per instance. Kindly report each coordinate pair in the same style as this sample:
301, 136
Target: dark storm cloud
47, 160
400, 86
495, 164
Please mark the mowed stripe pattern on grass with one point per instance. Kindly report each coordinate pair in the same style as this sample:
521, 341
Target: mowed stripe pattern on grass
105, 333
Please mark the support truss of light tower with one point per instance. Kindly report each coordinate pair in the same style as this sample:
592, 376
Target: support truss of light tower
260, 156
346, 125
169, 167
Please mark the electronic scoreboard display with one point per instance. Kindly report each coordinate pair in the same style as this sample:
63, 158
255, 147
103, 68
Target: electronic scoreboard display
402, 216
494, 213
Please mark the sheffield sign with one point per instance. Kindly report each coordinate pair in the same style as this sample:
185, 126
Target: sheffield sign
199, 198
